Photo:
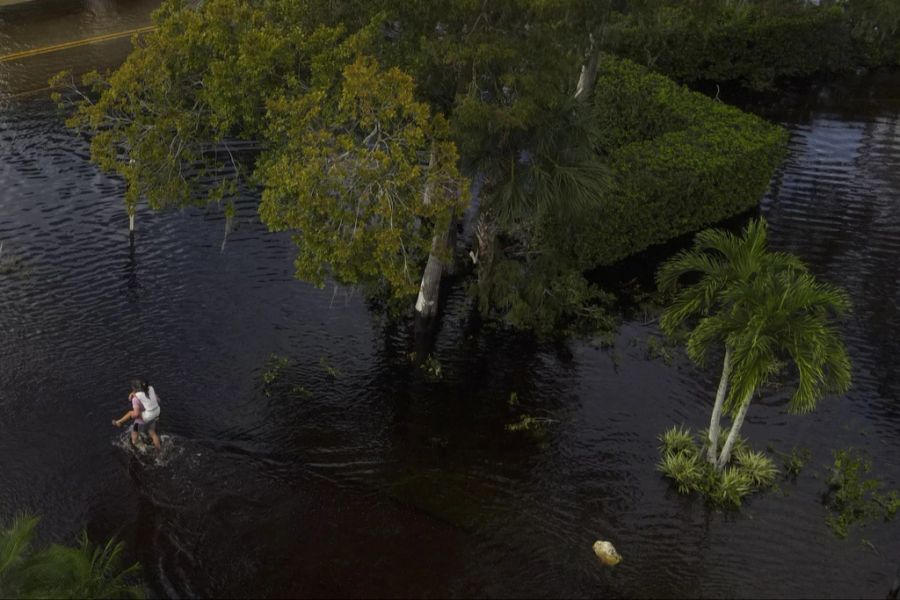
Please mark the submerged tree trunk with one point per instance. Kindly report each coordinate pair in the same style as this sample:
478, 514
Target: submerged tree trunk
733, 434
430, 288
715, 420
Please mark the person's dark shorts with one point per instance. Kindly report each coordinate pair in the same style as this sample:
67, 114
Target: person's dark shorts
145, 427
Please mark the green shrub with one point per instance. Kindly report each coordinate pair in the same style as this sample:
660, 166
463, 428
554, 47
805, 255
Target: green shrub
681, 162
758, 467
683, 461
758, 43
684, 469
677, 439
732, 485
852, 497
749, 43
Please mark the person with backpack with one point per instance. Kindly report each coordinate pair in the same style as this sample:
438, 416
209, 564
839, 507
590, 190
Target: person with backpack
144, 411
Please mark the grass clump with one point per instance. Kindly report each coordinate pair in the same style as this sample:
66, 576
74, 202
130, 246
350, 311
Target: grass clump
683, 461
758, 467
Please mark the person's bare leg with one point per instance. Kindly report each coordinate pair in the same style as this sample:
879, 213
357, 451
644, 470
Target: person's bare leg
134, 437
153, 436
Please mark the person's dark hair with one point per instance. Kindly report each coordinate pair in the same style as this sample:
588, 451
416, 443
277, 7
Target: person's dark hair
145, 386
136, 385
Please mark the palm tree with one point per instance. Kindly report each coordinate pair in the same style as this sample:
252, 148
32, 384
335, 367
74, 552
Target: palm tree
85, 571
767, 311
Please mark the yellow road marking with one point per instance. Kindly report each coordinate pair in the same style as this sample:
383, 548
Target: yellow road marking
75, 44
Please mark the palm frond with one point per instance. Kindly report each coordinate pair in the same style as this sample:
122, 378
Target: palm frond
86, 571
15, 540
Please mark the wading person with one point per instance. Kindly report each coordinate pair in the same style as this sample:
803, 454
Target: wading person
144, 411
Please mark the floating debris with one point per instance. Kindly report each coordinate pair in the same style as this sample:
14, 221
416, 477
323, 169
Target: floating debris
607, 554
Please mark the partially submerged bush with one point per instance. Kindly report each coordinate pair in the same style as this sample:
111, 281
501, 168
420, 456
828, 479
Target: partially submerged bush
758, 467
854, 498
683, 461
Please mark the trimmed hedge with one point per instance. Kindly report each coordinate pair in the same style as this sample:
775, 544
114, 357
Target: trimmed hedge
681, 162
750, 47
760, 42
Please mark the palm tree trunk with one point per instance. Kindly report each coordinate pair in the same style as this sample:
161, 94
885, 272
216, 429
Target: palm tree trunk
733, 434
715, 420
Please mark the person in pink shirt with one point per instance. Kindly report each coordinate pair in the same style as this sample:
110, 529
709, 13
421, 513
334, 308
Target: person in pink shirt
144, 411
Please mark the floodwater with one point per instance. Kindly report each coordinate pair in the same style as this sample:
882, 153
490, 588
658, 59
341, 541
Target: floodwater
353, 473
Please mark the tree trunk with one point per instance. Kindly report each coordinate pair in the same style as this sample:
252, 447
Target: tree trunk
588, 76
733, 434
715, 421
429, 290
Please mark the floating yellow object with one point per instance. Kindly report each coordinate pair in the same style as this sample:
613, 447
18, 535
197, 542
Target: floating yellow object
607, 554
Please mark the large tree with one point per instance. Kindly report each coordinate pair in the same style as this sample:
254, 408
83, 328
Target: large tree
364, 121
767, 314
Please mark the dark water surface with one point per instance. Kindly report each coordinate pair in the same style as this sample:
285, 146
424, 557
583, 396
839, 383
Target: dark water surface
355, 474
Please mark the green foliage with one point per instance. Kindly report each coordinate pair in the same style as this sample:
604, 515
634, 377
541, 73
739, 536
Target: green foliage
682, 461
757, 43
852, 497
300, 391
667, 162
759, 468
358, 168
15, 540
753, 43
275, 366
680, 161
686, 469
532, 423
432, 367
794, 461
363, 118
766, 308
84, 571
332, 371
351, 180
546, 295
658, 347
734, 483
677, 439
875, 30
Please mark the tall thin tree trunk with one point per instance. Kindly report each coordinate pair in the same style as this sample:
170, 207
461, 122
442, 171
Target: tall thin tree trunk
429, 289
715, 420
588, 76
733, 434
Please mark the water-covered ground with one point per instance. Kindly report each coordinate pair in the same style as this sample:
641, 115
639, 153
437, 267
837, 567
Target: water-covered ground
352, 472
